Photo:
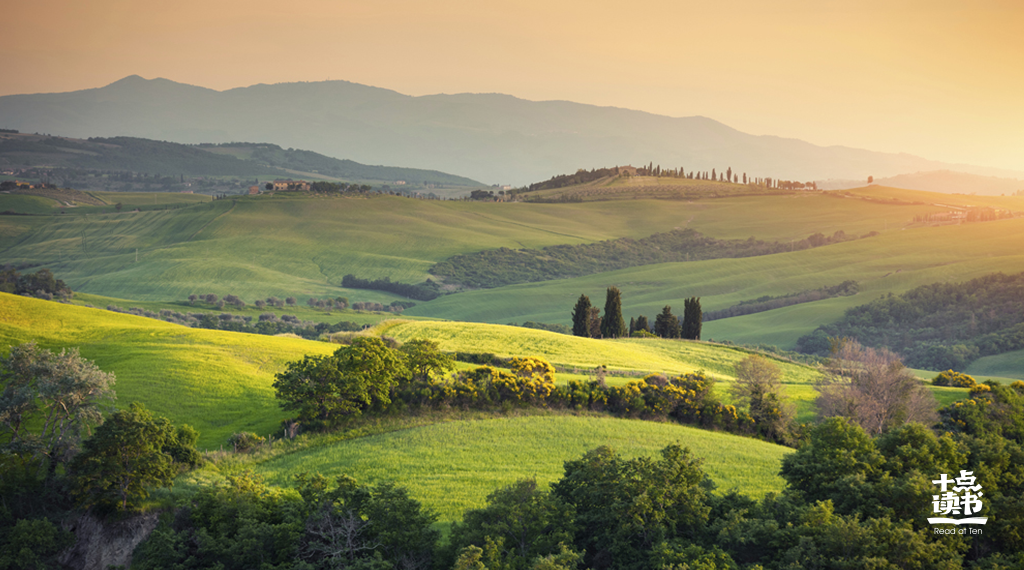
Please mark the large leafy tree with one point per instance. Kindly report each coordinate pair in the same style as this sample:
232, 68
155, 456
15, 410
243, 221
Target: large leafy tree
49, 401
324, 389
424, 359
354, 526
758, 385
624, 508
520, 521
612, 325
581, 317
131, 451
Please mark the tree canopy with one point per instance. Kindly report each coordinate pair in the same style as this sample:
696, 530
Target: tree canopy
324, 389
49, 401
131, 451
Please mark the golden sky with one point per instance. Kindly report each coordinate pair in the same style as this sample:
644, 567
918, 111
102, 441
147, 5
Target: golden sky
943, 79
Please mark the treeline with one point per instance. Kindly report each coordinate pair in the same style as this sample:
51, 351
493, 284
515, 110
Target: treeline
938, 327
41, 284
583, 176
767, 303
504, 266
416, 376
851, 501
334, 187
425, 291
266, 323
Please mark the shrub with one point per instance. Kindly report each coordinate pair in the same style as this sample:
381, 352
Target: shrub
245, 441
956, 379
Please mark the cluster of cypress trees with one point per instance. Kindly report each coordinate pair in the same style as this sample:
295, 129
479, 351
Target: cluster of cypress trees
588, 322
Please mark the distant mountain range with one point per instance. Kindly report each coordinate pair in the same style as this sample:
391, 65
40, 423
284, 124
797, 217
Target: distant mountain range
489, 137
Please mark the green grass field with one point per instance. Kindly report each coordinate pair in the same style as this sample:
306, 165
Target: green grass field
1009, 365
303, 312
892, 262
642, 355
218, 382
23, 204
303, 245
453, 466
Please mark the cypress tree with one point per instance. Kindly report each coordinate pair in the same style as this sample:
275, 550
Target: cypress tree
641, 324
692, 319
612, 325
595, 322
666, 325
632, 326
581, 317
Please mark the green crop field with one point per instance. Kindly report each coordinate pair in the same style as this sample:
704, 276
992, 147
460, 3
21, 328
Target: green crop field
453, 466
218, 382
24, 204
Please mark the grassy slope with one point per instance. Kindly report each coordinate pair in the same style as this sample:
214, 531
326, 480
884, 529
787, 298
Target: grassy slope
1006, 365
453, 466
303, 312
23, 204
305, 243
643, 355
219, 382
892, 262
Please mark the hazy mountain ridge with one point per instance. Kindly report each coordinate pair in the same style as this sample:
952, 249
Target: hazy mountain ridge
489, 137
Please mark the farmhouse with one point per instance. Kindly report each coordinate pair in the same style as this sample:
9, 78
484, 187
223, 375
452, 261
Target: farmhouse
627, 170
254, 190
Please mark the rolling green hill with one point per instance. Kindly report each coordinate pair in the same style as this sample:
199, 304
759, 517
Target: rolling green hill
219, 382
640, 355
453, 466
